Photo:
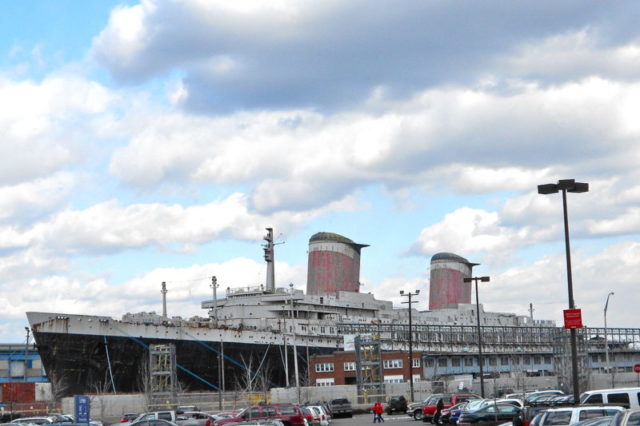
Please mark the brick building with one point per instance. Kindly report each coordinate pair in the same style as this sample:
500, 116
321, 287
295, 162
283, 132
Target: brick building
339, 368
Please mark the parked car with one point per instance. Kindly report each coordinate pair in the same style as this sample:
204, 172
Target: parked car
169, 415
451, 414
60, 418
499, 412
396, 404
34, 420
129, 417
513, 401
320, 417
597, 421
341, 407
449, 400
290, 414
532, 397
195, 418
626, 397
307, 413
154, 422
572, 415
627, 418
415, 409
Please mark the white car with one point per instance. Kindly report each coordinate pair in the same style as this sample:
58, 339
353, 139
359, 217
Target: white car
572, 415
320, 416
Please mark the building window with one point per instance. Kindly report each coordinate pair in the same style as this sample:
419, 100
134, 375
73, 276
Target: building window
396, 378
536, 360
415, 363
526, 360
468, 361
442, 362
547, 359
504, 360
455, 362
493, 361
325, 382
429, 362
350, 366
324, 367
392, 363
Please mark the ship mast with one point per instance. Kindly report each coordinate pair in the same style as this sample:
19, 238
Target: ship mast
164, 299
269, 258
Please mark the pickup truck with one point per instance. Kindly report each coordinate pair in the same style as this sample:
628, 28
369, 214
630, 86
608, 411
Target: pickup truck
340, 407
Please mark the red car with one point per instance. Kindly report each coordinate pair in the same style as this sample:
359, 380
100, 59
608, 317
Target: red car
289, 414
449, 400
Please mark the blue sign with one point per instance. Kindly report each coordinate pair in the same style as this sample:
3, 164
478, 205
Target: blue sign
83, 408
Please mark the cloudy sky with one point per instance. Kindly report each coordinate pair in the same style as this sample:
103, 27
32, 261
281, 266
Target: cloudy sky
154, 141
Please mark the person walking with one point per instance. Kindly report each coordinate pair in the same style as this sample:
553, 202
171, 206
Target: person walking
438, 413
377, 412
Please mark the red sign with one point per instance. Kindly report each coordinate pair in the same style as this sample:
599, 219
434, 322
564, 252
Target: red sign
636, 368
572, 318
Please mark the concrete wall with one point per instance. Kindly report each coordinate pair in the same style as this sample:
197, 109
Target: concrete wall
109, 408
421, 390
621, 380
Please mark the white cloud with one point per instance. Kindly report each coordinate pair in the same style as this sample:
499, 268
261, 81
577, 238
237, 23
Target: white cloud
468, 140
44, 125
473, 231
28, 201
187, 288
109, 227
544, 283
573, 55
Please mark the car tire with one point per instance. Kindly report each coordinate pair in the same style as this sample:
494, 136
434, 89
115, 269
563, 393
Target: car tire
417, 415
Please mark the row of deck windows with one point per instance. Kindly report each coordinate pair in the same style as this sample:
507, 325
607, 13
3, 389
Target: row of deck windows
493, 361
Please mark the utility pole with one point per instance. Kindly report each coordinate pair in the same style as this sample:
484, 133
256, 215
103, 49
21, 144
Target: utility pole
284, 344
410, 302
295, 348
480, 361
26, 354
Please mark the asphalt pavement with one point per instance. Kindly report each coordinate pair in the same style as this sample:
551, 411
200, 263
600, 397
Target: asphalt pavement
367, 419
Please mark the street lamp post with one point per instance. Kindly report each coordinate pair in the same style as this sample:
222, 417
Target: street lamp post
410, 302
606, 342
484, 280
568, 185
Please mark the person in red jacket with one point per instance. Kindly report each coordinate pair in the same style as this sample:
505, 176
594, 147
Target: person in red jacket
377, 412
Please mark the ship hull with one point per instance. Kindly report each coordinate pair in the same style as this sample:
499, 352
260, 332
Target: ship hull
78, 362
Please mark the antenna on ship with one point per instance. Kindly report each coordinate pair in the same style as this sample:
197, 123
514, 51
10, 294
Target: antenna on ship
164, 299
214, 286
